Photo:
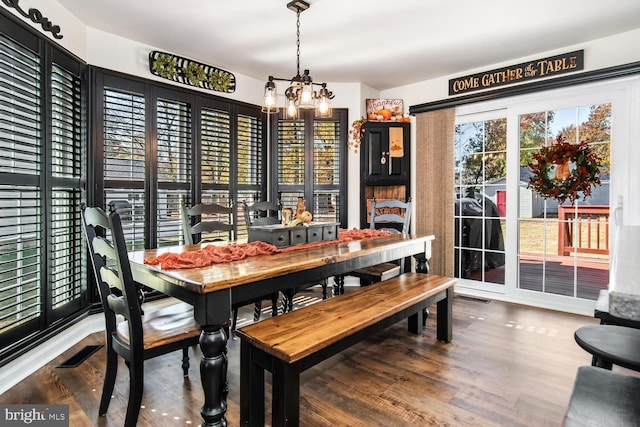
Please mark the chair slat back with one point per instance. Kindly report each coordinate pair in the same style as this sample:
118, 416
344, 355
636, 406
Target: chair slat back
206, 218
401, 215
119, 293
261, 213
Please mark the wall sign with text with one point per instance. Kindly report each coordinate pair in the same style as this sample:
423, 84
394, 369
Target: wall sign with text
539, 68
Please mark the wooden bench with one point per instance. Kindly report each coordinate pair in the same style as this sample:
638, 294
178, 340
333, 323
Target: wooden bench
289, 344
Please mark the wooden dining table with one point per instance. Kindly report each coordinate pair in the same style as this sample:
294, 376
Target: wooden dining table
213, 290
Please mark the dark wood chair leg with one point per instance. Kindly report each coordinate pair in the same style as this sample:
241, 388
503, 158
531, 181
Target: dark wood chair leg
274, 304
287, 300
257, 311
185, 362
325, 284
109, 380
136, 386
338, 285
234, 321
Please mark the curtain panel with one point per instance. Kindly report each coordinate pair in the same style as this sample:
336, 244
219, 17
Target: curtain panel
434, 185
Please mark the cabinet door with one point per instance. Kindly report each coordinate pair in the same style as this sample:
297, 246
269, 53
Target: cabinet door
380, 166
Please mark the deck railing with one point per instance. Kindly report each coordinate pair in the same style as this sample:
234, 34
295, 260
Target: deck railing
583, 229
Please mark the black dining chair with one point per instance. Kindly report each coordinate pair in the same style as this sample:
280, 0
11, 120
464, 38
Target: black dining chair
207, 221
394, 216
139, 336
261, 213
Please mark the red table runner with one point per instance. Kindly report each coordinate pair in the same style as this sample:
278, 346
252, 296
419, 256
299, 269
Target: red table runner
213, 254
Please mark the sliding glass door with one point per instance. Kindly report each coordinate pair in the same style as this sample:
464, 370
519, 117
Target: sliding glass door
513, 243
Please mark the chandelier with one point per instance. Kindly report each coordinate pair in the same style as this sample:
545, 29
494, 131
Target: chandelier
300, 94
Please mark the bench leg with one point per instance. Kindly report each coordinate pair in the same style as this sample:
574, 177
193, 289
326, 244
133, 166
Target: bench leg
416, 322
444, 317
286, 394
251, 388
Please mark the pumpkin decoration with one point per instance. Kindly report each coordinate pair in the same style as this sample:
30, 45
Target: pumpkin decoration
385, 113
306, 217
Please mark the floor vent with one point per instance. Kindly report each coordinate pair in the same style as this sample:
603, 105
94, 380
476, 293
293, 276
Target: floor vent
473, 298
80, 356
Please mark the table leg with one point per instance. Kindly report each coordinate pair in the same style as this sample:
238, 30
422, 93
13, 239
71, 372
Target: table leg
213, 374
421, 263
601, 363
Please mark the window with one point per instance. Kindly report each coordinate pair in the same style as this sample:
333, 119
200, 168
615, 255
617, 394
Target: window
41, 179
319, 143
151, 136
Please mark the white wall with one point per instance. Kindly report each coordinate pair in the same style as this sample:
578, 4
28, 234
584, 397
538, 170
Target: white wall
620, 49
607, 52
72, 30
117, 53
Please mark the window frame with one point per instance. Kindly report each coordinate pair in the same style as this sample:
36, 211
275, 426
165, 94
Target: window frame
62, 285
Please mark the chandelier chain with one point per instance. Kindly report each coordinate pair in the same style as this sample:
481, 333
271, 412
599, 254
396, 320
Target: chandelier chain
298, 41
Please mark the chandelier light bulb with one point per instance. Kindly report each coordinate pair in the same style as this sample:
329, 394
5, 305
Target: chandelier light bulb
306, 96
292, 110
323, 107
270, 99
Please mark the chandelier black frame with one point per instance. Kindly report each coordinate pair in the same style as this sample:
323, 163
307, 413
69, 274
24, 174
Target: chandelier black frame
300, 93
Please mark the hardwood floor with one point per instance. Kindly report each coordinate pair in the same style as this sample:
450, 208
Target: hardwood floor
508, 365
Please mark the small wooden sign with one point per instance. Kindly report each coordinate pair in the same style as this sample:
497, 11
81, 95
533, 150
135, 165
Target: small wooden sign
383, 110
536, 69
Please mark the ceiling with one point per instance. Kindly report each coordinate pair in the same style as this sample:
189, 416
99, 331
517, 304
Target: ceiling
381, 43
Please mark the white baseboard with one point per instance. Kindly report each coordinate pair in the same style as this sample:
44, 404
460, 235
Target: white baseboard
17, 370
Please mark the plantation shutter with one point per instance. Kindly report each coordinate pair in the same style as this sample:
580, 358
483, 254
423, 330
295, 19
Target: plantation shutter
173, 127
21, 210
124, 148
326, 171
215, 139
249, 165
291, 161
66, 250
